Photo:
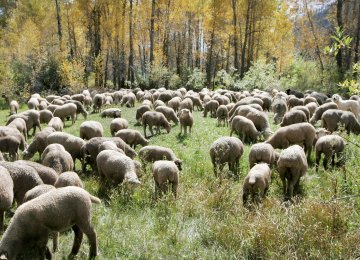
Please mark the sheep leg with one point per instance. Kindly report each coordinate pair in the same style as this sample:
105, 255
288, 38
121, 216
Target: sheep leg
91, 235
145, 130
55, 238
317, 161
2, 215
244, 197
174, 187
326, 159
151, 130
333, 161
77, 240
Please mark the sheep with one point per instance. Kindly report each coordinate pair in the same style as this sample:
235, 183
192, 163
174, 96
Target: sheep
36, 219
329, 145
24, 178
132, 137
111, 112
14, 107
186, 120
186, 103
309, 99
45, 116
118, 124
159, 103
226, 150
279, 108
196, 102
50, 98
320, 110
20, 125
347, 105
303, 133
211, 107
33, 103
90, 129
78, 97
291, 165
6, 194
58, 102
88, 102
71, 143
262, 153
38, 144
293, 117
109, 145
140, 111
222, 114
56, 123
294, 92
165, 173
245, 128
66, 110
333, 117
79, 108
303, 109
68, 179
153, 118
52, 107
174, 103
98, 101
47, 174
155, 153
10, 144
31, 117
55, 156
294, 101
165, 96
256, 182
169, 113
312, 106
37, 191
128, 100
43, 104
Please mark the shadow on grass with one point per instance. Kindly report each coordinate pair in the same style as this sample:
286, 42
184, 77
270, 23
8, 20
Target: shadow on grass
181, 137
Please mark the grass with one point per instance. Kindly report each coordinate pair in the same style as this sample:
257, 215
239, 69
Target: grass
208, 220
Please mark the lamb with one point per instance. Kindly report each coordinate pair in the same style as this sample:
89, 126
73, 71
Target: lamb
37, 218
79, 108
155, 153
222, 115
24, 178
279, 108
90, 129
98, 101
320, 110
45, 116
111, 112
303, 133
245, 128
226, 150
132, 137
14, 107
333, 117
169, 113
68, 179
47, 174
31, 117
37, 191
56, 123
55, 156
38, 144
10, 144
257, 182
293, 117
347, 105
6, 194
291, 165
211, 107
118, 124
140, 111
66, 110
20, 125
165, 173
153, 118
262, 153
329, 145
186, 120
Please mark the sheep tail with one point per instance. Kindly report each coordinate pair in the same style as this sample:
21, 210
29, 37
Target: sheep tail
252, 180
94, 199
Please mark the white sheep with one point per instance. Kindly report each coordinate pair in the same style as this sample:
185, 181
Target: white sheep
165, 173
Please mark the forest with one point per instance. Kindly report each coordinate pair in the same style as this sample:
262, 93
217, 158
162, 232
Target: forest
65, 46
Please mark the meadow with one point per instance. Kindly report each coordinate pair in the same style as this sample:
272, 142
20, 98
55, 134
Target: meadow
208, 220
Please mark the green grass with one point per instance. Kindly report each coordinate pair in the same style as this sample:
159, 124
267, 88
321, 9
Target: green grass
208, 220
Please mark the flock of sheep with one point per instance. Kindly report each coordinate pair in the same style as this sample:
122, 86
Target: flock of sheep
50, 195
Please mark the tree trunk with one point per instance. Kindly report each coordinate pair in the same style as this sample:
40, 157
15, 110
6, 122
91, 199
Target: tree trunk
357, 40
131, 73
210, 62
236, 55
339, 56
58, 18
243, 51
152, 21
189, 32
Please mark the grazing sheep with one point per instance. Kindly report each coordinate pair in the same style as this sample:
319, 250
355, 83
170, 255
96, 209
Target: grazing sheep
159, 103
156, 153
56, 123
109, 145
108, 100
329, 145
152, 118
66, 110
187, 103
291, 165
111, 112
245, 129
169, 113
10, 144
55, 156
31, 117
98, 101
33, 103
20, 125
36, 219
196, 102
88, 102
303, 109
90, 129
165, 173
14, 107
256, 182
222, 115
347, 105
309, 99
78, 97
211, 107
186, 120
118, 124
24, 178
293, 117
279, 108
333, 117
132, 137
52, 107
262, 153
47, 174
38, 144
128, 100
303, 133
294, 101
174, 103
296, 93
79, 108
312, 106
140, 111
226, 150
45, 116
37, 191
68, 179
320, 110
6, 194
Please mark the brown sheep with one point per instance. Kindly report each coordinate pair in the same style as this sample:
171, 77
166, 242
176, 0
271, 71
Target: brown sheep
157, 119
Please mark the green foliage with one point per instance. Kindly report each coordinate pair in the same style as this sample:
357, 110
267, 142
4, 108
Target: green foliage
159, 76
72, 74
196, 80
223, 80
352, 84
175, 82
340, 41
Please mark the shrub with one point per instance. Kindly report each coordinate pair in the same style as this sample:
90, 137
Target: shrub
196, 80
224, 80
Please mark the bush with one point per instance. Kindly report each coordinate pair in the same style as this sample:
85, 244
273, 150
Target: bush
196, 80
159, 76
223, 80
